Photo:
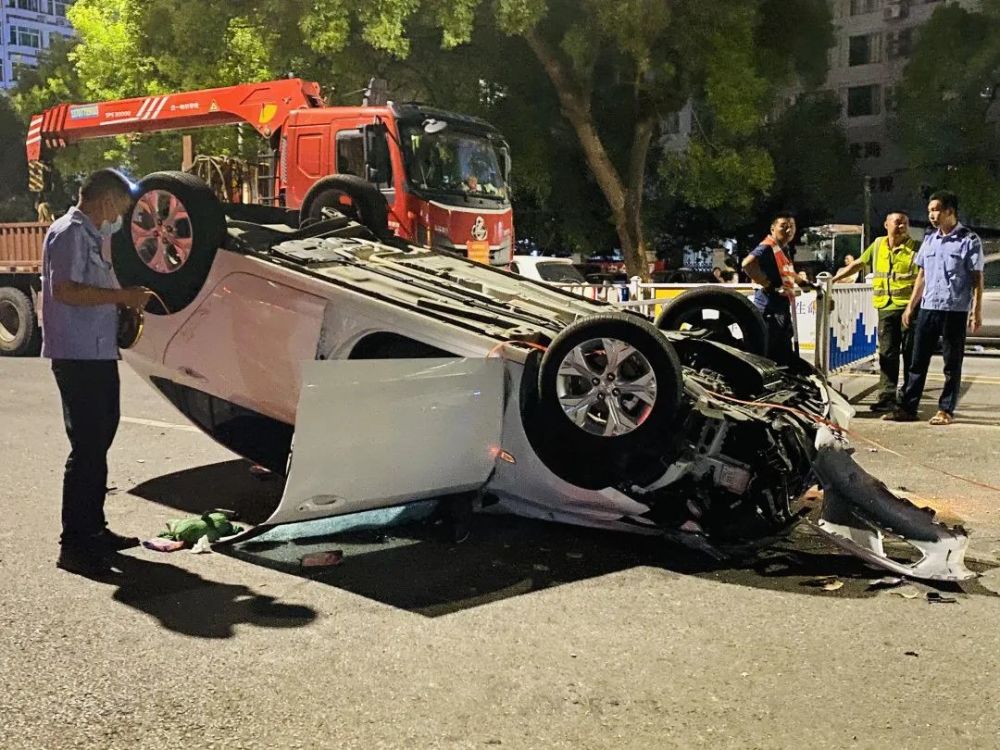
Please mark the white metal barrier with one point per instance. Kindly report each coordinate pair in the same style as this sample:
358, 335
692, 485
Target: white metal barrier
836, 328
849, 325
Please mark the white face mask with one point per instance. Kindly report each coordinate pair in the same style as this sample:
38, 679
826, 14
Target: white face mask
108, 228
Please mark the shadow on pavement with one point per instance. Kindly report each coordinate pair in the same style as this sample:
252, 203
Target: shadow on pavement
223, 485
416, 567
187, 603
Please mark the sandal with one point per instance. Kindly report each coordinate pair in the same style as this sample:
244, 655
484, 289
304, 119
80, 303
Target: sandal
942, 417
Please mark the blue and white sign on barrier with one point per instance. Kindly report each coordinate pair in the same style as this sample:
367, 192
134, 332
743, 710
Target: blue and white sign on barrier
853, 326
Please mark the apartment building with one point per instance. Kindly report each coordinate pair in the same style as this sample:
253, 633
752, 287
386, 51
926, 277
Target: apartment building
28, 27
874, 40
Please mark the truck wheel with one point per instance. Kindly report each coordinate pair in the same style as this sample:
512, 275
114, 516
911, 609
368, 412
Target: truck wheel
169, 239
609, 387
728, 317
20, 335
352, 196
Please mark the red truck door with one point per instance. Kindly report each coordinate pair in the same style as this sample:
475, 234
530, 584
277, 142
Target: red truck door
308, 159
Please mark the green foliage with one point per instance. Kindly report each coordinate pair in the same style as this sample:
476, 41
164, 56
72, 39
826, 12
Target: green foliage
792, 39
717, 177
627, 63
946, 127
15, 205
813, 174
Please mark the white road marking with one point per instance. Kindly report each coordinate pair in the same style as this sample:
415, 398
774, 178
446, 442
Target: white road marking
157, 423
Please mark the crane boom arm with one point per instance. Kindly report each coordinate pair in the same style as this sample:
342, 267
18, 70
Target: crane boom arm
265, 106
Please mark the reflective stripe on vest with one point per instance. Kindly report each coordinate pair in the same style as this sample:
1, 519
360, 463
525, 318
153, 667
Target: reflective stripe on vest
895, 274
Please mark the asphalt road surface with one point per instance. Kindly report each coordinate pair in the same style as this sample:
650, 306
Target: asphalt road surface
527, 635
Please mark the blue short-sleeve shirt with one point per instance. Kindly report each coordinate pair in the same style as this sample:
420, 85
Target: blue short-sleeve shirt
72, 252
949, 261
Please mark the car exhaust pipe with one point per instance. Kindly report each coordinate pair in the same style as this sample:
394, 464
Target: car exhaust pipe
858, 510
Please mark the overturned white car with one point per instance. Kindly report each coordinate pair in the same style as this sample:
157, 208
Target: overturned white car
376, 374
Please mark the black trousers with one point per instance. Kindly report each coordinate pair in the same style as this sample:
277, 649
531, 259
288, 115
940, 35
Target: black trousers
779, 336
893, 340
931, 324
90, 403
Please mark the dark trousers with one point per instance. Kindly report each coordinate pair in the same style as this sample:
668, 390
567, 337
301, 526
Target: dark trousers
893, 340
779, 336
950, 327
90, 393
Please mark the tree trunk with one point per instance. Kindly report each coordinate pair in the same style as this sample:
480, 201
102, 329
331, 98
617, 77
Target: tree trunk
624, 200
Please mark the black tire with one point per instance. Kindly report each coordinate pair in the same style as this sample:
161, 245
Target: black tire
367, 204
579, 454
20, 335
205, 227
732, 307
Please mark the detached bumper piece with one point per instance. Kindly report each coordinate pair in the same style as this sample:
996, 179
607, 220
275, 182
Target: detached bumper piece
858, 511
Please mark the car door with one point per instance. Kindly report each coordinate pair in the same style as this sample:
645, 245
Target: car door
375, 433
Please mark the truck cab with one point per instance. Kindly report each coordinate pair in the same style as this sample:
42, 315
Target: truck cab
443, 175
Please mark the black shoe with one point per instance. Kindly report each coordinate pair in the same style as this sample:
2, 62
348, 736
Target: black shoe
112, 542
883, 405
900, 415
83, 562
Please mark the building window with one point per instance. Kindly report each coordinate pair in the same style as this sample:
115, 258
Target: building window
59, 7
873, 150
860, 7
863, 100
864, 50
855, 150
890, 99
31, 5
885, 184
17, 68
24, 36
899, 43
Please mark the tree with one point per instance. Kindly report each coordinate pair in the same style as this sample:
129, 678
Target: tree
813, 173
15, 205
945, 125
571, 81
619, 68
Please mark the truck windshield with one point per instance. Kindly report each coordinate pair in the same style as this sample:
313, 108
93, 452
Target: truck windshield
453, 161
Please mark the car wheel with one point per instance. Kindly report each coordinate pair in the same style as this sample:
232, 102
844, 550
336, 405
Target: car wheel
608, 392
19, 332
169, 239
350, 195
725, 316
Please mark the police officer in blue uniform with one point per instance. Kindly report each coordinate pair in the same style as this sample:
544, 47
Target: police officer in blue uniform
80, 299
949, 293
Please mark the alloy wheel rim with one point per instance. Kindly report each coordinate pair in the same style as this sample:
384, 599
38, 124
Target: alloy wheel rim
161, 231
606, 387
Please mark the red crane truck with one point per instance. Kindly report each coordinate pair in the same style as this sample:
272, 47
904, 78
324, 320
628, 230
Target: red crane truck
443, 175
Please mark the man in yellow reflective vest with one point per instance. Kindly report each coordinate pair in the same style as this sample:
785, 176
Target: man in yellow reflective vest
892, 259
